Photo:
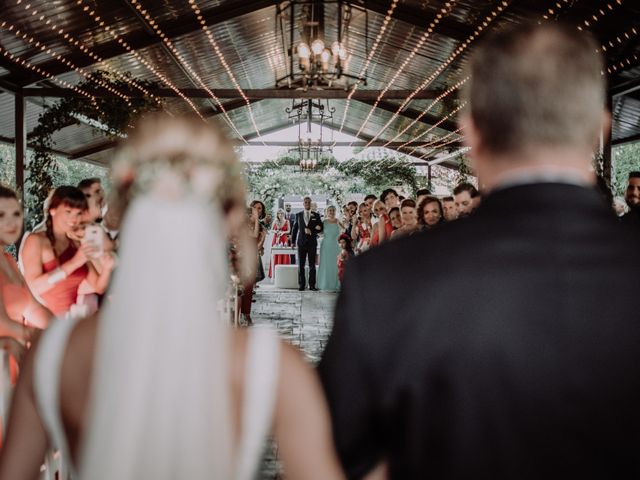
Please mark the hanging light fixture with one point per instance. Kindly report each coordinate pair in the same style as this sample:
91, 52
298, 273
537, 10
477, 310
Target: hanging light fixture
308, 114
314, 60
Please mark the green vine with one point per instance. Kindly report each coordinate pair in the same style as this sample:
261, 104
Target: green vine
114, 113
283, 176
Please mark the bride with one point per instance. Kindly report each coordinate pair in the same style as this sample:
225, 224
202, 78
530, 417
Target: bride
156, 385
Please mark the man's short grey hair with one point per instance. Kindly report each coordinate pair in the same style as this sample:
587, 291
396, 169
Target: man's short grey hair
536, 85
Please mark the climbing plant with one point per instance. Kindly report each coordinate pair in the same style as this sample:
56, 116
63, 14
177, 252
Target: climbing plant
112, 114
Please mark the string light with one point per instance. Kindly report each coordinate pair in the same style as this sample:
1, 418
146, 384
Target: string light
111, 31
461, 48
26, 64
63, 60
443, 12
154, 25
431, 105
205, 29
74, 42
367, 62
435, 149
437, 124
437, 140
553, 11
598, 15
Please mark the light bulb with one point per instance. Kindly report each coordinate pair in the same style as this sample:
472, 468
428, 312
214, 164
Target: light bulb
325, 56
303, 51
343, 53
317, 46
335, 48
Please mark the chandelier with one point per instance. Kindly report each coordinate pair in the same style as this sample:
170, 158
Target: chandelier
311, 117
319, 54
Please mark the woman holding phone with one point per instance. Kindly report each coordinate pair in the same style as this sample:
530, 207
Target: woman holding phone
54, 265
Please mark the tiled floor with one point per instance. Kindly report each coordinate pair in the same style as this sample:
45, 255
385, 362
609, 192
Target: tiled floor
303, 319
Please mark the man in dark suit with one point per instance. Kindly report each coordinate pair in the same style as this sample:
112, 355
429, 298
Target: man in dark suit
305, 236
504, 345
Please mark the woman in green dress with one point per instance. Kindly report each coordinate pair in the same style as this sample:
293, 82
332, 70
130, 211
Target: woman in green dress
329, 250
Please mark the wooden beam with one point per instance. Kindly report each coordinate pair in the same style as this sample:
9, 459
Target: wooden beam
255, 94
623, 141
108, 144
142, 38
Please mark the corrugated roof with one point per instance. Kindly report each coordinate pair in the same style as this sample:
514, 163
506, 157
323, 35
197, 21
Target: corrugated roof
245, 32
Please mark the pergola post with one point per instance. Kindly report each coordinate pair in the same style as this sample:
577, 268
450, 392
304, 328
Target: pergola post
605, 144
20, 142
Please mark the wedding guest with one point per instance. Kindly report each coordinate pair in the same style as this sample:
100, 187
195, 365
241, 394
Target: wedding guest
92, 189
305, 236
346, 252
19, 311
329, 249
464, 194
632, 197
363, 229
54, 267
395, 218
280, 230
290, 217
261, 213
409, 218
422, 193
370, 199
256, 232
353, 208
430, 213
534, 372
450, 210
476, 199
390, 198
184, 396
382, 229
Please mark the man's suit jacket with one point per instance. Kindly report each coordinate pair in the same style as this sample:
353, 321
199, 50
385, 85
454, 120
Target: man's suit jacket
501, 346
299, 236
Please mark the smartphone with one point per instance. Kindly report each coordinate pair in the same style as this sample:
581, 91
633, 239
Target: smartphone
93, 234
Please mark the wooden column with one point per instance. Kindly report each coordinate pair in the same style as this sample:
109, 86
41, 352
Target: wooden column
20, 142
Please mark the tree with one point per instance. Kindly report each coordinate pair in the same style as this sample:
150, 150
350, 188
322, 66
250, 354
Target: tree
626, 158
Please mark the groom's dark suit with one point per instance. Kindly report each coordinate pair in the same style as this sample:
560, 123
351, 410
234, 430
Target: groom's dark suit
502, 346
307, 245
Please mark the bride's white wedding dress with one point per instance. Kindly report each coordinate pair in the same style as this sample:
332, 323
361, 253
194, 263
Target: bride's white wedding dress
257, 410
159, 404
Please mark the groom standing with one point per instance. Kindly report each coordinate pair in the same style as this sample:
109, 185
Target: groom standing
305, 236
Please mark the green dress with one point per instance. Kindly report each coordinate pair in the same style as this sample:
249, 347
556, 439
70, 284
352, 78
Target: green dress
329, 250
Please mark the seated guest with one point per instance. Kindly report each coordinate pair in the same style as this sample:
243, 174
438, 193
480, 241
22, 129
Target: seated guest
115, 394
430, 213
514, 354
632, 197
54, 266
464, 195
390, 198
409, 219
450, 210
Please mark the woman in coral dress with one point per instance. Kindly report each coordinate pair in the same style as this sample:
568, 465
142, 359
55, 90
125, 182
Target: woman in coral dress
281, 230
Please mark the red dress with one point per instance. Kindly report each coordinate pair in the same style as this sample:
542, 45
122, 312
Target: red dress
64, 293
280, 239
16, 299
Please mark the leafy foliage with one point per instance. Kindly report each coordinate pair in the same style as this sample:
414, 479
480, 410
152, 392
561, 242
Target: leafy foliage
626, 158
273, 179
114, 113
